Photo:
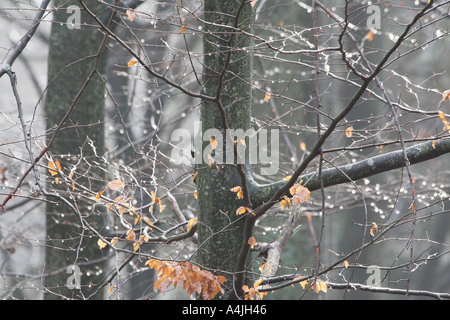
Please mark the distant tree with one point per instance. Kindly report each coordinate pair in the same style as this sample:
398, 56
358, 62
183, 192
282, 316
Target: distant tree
75, 111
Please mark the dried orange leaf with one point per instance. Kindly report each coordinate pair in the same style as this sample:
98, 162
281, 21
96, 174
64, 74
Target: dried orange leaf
283, 204
323, 286
294, 188
434, 144
221, 279
101, 244
182, 29
159, 282
257, 283
116, 184
131, 63
194, 176
191, 223
304, 283
345, 264
236, 189
99, 195
446, 95
320, 286
303, 146
267, 97
131, 236
54, 166
251, 241
241, 210
370, 35
253, 2
213, 143
262, 267
131, 14
349, 132
153, 263
373, 229
192, 277
239, 192
442, 117
302, 194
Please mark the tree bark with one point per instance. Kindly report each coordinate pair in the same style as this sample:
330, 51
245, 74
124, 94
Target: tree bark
227, 77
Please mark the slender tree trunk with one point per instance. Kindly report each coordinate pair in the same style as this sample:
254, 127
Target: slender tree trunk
72, 57
220, 229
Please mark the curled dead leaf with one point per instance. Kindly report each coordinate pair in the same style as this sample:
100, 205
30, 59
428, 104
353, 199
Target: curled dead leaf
131, 14
101, 244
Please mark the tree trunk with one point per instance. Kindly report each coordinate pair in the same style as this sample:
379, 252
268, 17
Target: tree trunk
71, 59
227, 77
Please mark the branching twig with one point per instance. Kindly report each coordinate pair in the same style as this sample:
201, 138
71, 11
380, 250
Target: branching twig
24, 41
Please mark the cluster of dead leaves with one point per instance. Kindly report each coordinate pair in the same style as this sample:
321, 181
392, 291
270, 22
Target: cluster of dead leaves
316, 285
130, 236
252, 293
192, 277
123, 205
54, 168
299, 195
238, 190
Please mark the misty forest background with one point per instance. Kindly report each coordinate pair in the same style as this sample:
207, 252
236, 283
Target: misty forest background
289, 90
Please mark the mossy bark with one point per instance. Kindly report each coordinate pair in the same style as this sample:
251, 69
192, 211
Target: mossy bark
72, 57
220, 230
